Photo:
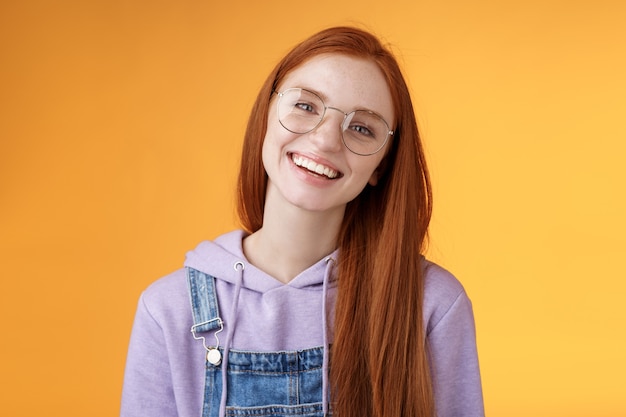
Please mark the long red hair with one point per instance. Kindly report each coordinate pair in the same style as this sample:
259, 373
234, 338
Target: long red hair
379, 357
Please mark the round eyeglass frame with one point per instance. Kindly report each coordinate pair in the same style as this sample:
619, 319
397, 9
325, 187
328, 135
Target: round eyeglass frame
345, 116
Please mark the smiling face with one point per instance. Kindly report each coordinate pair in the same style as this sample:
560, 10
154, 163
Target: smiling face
315, 171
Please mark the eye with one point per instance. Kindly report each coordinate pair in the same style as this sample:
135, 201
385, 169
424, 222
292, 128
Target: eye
309, 108
365, 126
362, 130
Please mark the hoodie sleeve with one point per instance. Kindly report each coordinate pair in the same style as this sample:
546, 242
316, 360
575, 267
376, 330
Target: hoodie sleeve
147, 382
454, 362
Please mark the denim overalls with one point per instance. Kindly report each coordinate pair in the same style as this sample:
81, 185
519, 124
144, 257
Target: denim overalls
267, 384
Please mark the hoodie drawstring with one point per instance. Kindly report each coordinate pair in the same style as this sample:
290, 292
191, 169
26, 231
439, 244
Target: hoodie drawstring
325, 359
232, 319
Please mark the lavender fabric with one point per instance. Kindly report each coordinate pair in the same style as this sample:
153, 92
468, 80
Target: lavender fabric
165, 367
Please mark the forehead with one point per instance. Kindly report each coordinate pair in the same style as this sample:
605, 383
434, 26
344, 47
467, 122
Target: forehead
345, 82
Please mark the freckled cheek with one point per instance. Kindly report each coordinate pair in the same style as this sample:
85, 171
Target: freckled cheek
272, 119
276, 136
273, 149
270, 151
362, 166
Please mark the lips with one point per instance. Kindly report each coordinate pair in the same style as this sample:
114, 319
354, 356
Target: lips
314, 167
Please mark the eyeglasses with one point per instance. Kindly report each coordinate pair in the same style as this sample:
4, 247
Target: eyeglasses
363, 131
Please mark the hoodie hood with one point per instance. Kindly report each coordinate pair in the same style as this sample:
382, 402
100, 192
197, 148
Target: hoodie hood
218, 257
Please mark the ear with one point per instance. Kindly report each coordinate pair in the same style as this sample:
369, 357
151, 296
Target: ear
380, 170
374, 178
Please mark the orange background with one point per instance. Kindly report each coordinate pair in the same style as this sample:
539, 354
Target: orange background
120, 133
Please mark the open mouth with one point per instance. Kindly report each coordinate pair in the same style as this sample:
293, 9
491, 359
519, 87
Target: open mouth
314, 167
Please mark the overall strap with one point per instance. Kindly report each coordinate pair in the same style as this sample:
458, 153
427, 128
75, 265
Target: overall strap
204, 308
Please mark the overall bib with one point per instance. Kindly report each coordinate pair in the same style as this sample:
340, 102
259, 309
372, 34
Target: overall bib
259, 384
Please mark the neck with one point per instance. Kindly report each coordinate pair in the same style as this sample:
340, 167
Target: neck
291, 240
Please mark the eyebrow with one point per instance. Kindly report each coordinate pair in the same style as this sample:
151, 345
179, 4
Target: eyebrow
325, 98
313, 90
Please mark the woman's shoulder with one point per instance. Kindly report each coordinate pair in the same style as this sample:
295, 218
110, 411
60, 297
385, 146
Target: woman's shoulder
168, 283
167, 295
442, 292
440, 282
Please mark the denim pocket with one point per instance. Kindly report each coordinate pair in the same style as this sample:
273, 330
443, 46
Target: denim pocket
305, 410
269, 384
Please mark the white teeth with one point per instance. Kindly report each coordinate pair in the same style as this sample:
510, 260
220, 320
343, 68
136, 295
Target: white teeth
314, 166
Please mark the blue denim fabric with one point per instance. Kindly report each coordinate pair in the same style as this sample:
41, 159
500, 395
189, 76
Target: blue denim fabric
203, 301
260, 384
266, 384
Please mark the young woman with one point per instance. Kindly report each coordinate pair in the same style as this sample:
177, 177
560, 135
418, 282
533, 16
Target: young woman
323, 304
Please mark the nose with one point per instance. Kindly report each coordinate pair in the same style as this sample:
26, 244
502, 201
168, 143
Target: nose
328, 134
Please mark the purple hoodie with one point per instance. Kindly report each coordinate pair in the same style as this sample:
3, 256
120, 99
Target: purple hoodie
165, 365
